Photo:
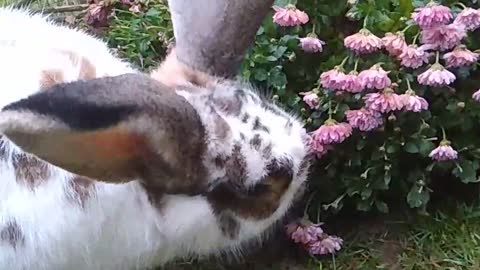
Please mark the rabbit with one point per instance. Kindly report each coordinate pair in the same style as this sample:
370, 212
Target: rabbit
105, 167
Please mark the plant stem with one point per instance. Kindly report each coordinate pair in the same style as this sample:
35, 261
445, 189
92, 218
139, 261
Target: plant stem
356, 64
444, 134
406, 28
305, 211
415, 38
460, 4
344, 61
408, 84
437, 58
365, 21
313, 28
329, 109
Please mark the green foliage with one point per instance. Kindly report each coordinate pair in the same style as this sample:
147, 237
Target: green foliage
370, 170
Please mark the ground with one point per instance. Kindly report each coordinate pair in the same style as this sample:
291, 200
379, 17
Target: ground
447, 239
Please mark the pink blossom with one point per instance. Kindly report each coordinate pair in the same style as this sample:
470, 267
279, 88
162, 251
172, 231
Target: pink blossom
311, 99
332, 79
328, 245
363, 42
443, 152
460, 56
289, 16
469, 18
444, 37
332, 132
316, 147
394, 43
436, 75
476, 95
414, 103
363, 119
350, 83
431, 15
414, 56
375, 77
384, 102
311, 44
304, 231
312, 238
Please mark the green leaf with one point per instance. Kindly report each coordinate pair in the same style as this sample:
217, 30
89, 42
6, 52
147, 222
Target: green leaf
277, 78
406, 7
425, 147
381, 206
418, 196
411, 147
466, 170
152, 13
260, 74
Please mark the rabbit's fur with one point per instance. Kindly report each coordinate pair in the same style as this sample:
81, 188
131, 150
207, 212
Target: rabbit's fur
50, 218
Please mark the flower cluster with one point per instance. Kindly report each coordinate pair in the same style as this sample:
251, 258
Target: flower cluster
440, 34
312, 238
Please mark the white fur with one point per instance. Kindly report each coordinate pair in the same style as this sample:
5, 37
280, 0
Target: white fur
119, 228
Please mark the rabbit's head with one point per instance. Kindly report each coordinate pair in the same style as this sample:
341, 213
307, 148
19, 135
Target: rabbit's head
257, 149
221, 140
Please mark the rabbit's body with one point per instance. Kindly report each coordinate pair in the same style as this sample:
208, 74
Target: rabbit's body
52, 219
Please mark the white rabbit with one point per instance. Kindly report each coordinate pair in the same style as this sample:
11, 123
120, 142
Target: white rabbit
127, 130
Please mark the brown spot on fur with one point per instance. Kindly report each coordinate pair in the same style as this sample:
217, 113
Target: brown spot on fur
257, 125
51, 77
3, 148
222, 129
220, 161
80, 190
172, 73
245, 118
86, 69
304, 165
155, 197
236, 166
12, 234
259, 202
228, 225
267, 151
256, 142
30, 170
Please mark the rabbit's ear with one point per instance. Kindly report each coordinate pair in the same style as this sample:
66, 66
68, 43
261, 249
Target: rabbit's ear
173, 73
112, 129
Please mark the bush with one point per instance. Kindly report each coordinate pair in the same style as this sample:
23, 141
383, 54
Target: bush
390, 158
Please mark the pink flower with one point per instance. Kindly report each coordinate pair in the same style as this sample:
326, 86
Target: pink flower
394, 43
384, 102
460, 56
469, 18
316, 147
304, 231
414, 103
476, 96
332, 79
289, 16
431, 15
414, 57
436, 75
311, 44
332, 132
311, 99
443, 152
350, 83
363, 119
375, 77
444, 37
328, 245
363, 42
